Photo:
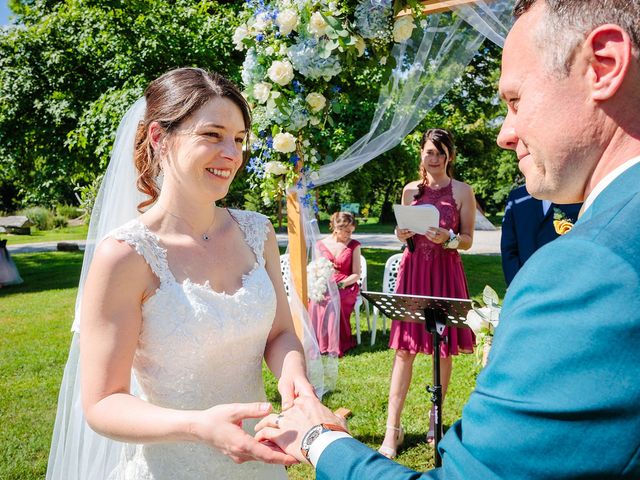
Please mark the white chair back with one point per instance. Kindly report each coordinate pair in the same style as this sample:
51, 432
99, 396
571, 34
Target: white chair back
362, 282
389, 284
390, 276
285, 268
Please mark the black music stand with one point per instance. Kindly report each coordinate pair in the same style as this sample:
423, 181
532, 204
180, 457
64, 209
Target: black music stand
435, 313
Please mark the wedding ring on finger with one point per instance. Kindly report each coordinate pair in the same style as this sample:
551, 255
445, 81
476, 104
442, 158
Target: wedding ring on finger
277, 420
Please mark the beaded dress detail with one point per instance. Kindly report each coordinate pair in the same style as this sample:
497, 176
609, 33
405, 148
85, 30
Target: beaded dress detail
199, 348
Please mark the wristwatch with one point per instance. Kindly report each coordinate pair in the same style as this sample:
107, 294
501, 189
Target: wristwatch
314, 432
453, 242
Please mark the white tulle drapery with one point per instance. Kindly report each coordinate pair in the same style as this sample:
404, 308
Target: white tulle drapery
427, 66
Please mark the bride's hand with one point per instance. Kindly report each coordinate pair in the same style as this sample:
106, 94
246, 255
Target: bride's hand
221, 428
292, 387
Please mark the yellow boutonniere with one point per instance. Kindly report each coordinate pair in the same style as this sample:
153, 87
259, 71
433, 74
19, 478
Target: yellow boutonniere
561, 223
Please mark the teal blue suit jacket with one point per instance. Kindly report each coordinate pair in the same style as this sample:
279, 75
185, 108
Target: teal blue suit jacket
560, 397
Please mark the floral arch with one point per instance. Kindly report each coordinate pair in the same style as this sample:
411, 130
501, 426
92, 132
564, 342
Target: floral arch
299, 52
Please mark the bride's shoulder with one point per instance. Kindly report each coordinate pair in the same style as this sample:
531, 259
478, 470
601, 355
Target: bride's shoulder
114, 256
249, 217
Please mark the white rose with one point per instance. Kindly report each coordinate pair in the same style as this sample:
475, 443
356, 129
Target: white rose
317, 25
284, 142
262, 22
287, 21
403, 28
269, 50
360, 45
316, 101
314, 121
281, 72
275, 168
261, 91
240, 34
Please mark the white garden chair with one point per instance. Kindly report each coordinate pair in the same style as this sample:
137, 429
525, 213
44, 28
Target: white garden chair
389, 283
362, 282
285, 268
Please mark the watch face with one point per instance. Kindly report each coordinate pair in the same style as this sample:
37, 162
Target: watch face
312, 436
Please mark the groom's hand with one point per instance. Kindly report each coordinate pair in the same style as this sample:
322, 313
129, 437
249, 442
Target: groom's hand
221, 428
287, 429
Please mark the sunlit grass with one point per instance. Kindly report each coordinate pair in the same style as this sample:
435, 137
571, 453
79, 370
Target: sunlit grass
35, 320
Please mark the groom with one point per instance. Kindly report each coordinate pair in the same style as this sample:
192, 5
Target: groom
560, 397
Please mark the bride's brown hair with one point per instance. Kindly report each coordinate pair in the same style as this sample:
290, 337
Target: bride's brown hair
171, 99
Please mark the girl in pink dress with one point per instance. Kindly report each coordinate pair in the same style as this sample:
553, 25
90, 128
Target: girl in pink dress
432, 266
344, 253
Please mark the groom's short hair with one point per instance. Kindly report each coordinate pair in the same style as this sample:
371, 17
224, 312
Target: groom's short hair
568, 22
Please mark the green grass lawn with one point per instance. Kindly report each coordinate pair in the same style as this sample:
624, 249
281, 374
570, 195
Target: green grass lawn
56, 235
35, 319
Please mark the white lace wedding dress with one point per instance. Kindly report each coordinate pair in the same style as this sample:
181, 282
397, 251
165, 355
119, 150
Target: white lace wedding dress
199, 348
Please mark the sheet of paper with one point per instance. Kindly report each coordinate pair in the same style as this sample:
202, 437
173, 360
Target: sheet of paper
417, 218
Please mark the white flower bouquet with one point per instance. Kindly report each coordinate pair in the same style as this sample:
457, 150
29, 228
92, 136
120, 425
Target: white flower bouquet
319, 272
484, 320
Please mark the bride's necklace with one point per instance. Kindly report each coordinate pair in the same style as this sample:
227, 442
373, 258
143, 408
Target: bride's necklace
205, 235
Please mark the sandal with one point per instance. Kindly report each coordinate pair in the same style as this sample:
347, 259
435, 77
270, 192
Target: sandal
392, 452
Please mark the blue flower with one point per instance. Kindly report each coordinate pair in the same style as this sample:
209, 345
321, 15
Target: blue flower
297, 86
259, 37
335, 89
310, 185
270, 141
294, 159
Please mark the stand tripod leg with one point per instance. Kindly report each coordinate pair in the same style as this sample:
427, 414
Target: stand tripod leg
436, 389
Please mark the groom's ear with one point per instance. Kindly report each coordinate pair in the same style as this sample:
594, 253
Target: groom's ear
610, 54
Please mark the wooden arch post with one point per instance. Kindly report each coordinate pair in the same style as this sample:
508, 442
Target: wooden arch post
297, 255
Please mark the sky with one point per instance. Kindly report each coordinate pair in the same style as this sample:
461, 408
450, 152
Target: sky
4, 12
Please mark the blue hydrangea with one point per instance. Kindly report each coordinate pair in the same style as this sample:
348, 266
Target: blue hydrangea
305, 58
298, 114
252, 71
374, 19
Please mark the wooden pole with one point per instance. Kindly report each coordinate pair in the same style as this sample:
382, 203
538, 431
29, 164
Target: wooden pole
437, 6
297, 255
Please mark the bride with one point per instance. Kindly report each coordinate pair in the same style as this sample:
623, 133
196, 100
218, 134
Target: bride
178, 306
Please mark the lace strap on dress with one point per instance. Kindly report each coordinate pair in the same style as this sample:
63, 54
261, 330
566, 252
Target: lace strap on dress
146, 244
255, 226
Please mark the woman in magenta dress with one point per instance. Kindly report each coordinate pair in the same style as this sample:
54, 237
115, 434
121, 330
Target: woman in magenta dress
344, 254
434, 268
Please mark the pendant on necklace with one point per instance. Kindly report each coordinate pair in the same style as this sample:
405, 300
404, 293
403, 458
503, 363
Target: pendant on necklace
205, 237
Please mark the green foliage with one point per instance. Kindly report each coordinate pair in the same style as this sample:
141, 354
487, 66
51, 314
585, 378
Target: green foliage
68, 75
42, 218
59, 221
68, 211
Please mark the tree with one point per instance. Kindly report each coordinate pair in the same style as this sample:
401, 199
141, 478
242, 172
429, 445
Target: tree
70, 71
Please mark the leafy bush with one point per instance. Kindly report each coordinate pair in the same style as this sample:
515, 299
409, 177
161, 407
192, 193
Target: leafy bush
41, 217
59, 221
68, 211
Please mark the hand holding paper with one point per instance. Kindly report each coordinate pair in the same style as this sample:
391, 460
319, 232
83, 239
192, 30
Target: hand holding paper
416, 218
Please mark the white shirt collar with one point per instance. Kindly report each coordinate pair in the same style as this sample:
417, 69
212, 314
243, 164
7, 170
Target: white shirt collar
606, 181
